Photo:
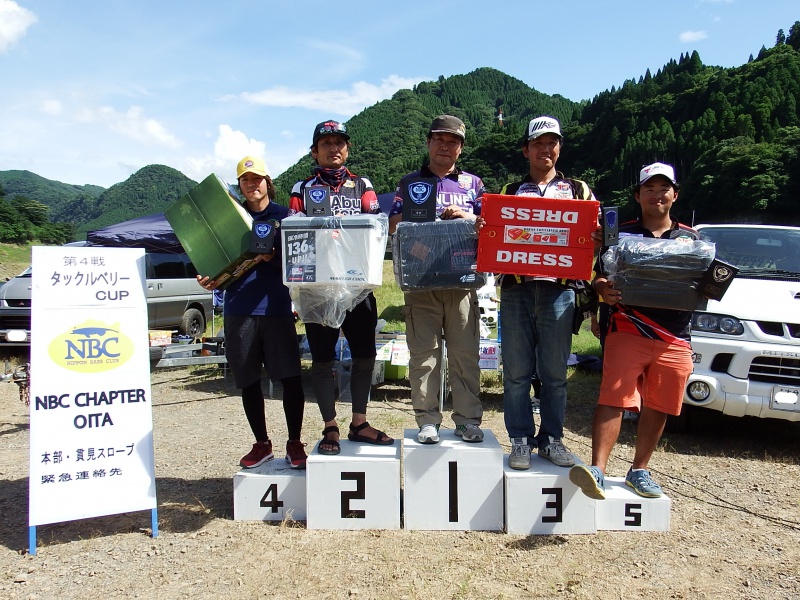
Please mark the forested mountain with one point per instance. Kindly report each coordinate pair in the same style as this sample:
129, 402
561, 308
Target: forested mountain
150, 190
388, 139
732, 134
44, 212
54, 194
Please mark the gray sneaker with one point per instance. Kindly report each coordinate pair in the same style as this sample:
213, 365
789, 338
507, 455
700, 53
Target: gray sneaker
469, 432
590, 480
557, 453
520, 457
428, 434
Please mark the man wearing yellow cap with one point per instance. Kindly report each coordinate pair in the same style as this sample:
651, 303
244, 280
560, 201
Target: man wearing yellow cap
259, 327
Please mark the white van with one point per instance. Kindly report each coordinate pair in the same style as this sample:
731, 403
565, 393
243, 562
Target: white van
747, 346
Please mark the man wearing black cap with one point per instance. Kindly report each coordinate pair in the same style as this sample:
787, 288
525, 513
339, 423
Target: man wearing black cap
536, 316
449, 314
349, 195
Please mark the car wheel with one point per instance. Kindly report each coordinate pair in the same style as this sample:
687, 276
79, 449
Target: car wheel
193, 324
156, 354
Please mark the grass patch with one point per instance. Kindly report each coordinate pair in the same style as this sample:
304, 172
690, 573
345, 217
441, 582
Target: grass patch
14, 258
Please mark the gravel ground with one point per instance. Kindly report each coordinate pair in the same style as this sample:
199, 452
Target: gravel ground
735, 518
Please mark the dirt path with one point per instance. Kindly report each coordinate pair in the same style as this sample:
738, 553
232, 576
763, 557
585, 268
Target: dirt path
735, 520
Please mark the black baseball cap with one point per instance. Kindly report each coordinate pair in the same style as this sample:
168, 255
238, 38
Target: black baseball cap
329, 128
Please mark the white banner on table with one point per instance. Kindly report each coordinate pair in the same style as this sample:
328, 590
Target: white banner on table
91, 425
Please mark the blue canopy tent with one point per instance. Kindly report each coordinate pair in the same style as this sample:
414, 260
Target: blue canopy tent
151, 232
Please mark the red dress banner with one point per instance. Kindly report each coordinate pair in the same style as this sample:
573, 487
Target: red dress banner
526, 235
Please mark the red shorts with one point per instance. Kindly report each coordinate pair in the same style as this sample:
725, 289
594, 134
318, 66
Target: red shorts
634, 364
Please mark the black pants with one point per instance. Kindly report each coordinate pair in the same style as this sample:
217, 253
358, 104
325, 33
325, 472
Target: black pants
359, 330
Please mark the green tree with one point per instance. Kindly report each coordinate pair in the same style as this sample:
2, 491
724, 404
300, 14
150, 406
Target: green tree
31, 210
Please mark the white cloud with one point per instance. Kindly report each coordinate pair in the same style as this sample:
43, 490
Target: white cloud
51, 107
693, 36
131, 124
232, 145
341, 102
14, 23
229, 148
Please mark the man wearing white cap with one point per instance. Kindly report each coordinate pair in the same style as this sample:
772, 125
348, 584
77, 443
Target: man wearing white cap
536, 316
647, 356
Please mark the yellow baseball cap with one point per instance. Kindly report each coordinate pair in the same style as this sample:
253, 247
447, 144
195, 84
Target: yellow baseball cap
252, 164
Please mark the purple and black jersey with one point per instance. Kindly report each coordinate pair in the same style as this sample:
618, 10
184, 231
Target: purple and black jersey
456, 189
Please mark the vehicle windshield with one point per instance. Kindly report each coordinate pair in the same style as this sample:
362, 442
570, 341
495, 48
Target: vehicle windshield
757, 249
26, 273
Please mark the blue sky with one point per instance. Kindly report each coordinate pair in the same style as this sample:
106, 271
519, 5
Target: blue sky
92, 91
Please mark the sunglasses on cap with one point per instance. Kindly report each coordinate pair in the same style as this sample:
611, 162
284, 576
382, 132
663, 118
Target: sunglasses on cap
331, 127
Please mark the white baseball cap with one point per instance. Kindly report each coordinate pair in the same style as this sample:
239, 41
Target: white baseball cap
541, 125
657, 169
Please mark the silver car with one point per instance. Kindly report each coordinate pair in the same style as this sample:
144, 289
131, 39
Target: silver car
15, 310
175, 300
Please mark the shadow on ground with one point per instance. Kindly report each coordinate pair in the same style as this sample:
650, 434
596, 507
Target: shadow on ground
707, 432
184, 506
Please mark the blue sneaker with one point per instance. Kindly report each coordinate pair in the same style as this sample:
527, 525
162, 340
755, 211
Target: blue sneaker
590, 480
643, 484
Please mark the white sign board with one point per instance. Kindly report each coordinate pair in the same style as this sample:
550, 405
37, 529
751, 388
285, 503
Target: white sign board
91, 425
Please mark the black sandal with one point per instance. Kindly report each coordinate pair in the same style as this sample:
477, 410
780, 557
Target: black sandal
334, 451
380, 439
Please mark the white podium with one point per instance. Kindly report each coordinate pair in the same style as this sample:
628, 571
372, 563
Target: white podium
272, 491
624, 510
356, 489
452, 485
542, 500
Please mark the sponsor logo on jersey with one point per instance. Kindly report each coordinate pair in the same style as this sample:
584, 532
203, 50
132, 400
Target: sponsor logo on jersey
343, 205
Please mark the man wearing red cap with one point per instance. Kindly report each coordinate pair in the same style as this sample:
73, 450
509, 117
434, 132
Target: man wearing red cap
259, 327
647, 356
349, 195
